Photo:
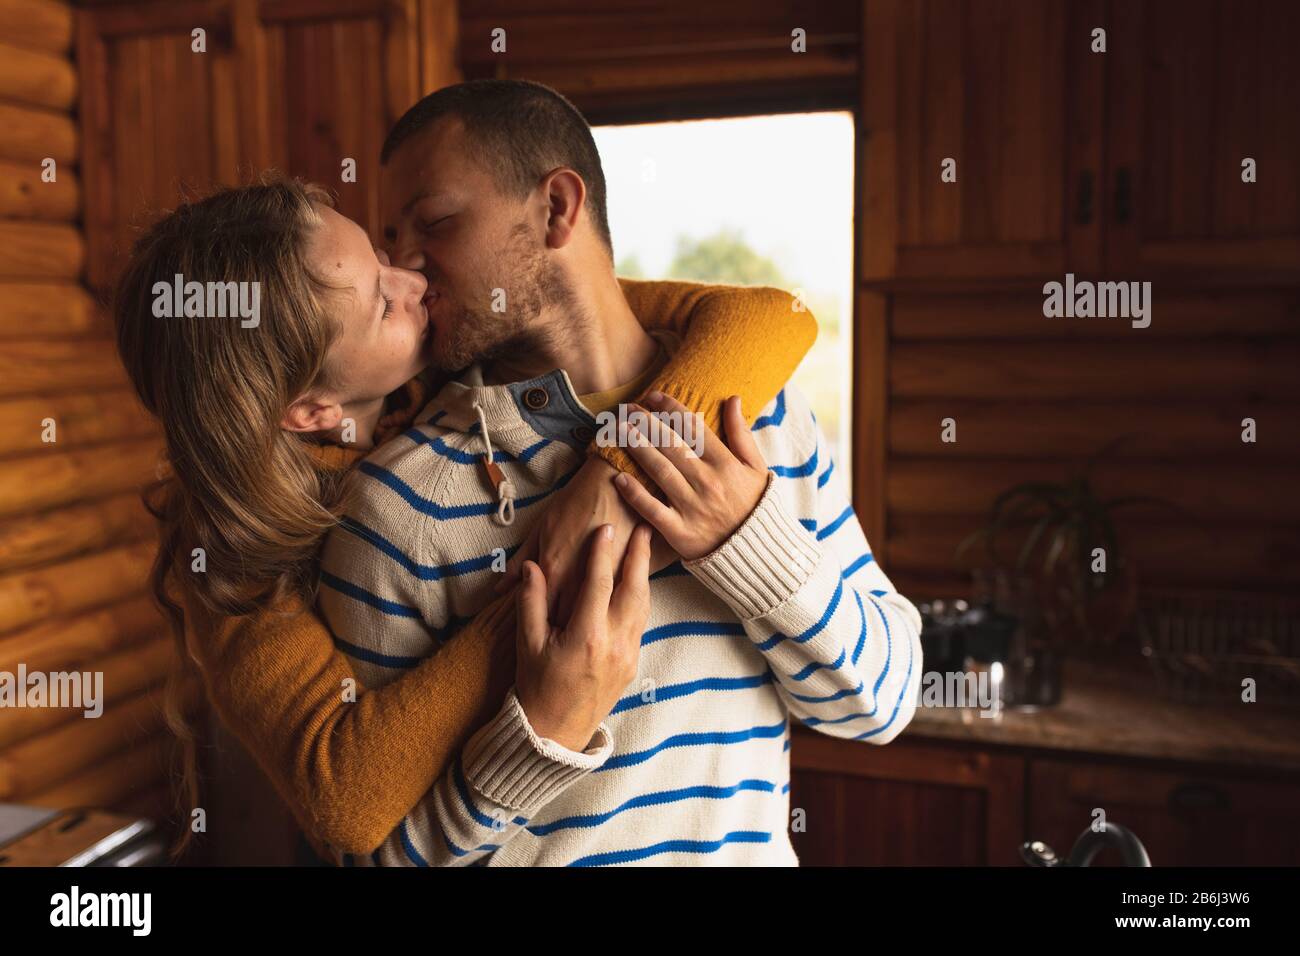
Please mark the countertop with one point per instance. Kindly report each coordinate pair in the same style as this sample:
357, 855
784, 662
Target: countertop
1108, 709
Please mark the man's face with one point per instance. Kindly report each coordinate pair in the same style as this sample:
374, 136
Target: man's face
482, 249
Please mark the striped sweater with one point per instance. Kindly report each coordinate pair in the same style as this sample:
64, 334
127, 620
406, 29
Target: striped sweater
789, 616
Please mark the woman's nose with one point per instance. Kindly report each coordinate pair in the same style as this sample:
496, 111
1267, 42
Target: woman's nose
418, 282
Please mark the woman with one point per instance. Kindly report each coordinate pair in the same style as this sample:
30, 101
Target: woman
247, 503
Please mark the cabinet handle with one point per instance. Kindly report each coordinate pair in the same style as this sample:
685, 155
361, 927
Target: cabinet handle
1123, 194
1083, 212
1198, 796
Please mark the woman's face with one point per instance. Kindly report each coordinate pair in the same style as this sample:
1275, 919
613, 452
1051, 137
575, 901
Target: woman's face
384, 330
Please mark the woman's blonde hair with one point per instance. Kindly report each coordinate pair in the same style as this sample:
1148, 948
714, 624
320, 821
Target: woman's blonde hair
251, 495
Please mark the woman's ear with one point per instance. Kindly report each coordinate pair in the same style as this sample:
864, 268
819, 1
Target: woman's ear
565, 195
312, 413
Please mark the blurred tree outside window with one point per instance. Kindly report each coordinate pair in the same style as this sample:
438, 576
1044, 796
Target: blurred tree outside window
762, 200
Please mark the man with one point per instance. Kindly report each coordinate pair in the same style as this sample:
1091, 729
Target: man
494, 191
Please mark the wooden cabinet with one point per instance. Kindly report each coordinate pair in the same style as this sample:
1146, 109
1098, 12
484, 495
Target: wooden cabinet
1071, 159
335, 78
295, 85
985, 84
1182, 817
922, 802
1197, 87
913, 802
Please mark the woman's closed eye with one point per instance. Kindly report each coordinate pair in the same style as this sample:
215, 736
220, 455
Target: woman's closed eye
388, 306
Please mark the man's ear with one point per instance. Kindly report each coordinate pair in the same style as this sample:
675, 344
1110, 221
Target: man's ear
312, 413
565, 195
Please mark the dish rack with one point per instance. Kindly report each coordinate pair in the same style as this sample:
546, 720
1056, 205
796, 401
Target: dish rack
1202, 644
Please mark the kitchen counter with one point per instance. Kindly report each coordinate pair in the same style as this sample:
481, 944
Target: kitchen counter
1106, 709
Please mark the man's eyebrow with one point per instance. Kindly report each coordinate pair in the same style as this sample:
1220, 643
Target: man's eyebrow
424, 195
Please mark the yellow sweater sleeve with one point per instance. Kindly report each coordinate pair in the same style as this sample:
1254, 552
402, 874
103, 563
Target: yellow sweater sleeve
736, 340
349, 771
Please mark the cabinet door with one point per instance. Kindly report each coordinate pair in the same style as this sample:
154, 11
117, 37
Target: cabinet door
1182, 818
1196, 87
333, 78
1003, 88
158, 117
295, 85
910, 803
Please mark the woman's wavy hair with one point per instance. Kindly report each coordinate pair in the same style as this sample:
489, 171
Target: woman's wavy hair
248, 493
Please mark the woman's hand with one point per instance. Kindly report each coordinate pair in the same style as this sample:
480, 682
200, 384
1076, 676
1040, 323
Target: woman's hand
706, 497
569, 678
589, 501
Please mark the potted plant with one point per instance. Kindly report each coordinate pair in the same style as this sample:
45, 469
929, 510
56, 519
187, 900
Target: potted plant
1083, 596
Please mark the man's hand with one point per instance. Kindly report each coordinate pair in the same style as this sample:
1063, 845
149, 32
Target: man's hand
572, 514
569, 678
708, 497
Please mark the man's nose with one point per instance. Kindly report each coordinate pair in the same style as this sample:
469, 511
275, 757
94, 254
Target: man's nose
407, 255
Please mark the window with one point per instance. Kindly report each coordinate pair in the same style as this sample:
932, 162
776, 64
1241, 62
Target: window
764, 200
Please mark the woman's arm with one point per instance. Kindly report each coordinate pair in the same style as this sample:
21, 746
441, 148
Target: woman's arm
735, 341
349, 762
350, 771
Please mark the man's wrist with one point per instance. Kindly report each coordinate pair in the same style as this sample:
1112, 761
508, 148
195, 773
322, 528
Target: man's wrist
763, 562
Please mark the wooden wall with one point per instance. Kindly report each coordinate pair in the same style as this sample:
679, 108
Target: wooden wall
1121, 165
134, 118
294, 85
1031, 399
644, 60
75, 543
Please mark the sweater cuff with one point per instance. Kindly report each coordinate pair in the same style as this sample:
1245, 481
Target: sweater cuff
510, 765
765, 561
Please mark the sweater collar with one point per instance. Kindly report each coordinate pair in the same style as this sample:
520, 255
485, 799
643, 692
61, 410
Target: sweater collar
548, 405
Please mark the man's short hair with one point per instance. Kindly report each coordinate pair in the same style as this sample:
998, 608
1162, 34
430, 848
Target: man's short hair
521, 130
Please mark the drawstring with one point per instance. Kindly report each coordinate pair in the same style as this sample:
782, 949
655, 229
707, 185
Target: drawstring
496, 477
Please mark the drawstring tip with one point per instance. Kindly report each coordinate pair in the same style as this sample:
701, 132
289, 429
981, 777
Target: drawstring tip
506, 511
505, 489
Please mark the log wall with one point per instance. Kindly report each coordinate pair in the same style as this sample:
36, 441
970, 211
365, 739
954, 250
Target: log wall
75, 448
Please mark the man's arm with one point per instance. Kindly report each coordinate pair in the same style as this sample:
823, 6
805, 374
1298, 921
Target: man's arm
781, 546
843, 645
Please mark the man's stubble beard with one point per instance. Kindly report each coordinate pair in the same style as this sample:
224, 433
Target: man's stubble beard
480, 335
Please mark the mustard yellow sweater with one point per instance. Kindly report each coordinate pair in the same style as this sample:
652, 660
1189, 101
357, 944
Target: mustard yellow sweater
349, 772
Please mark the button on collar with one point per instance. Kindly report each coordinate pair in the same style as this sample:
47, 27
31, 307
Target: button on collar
536, 399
